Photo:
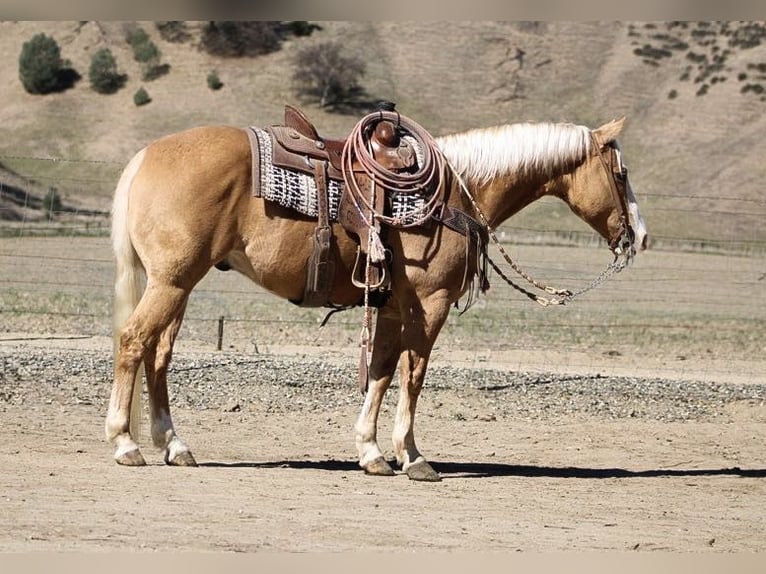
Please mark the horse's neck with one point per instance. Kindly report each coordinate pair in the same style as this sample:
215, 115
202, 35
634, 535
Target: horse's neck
508, 167
506, 196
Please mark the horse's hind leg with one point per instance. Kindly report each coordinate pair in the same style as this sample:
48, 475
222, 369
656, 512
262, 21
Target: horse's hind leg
158, 307
163, 432
384, 357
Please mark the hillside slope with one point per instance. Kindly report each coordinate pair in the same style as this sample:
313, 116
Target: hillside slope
697, 161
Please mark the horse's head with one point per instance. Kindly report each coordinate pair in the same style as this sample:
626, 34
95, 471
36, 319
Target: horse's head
600, 193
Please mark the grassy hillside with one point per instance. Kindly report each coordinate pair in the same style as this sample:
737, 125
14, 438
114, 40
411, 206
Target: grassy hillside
696, 154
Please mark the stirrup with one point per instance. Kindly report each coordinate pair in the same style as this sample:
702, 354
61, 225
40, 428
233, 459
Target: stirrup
378, 270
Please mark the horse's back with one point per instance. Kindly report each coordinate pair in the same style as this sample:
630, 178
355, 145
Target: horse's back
200, 164
198, 149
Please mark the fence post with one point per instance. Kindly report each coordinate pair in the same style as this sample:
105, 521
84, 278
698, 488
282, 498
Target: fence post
220, 332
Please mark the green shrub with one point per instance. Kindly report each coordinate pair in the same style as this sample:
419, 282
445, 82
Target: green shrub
301, 27
137, 36
755, 88
241, 38
651, 53
141, 97
213, 81
173, 31
146, 52
103, 75
40, 65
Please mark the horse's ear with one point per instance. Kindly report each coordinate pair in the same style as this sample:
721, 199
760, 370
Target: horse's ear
609, 131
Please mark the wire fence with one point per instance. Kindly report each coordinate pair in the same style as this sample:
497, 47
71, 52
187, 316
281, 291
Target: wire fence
71, 196
689, 296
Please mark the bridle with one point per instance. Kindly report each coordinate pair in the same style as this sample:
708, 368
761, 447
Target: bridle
615, 173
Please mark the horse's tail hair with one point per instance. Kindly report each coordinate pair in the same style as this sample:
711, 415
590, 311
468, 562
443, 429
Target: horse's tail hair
129, 279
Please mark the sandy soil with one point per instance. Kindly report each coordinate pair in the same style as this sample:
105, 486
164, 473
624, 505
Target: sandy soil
282, 476
568, 462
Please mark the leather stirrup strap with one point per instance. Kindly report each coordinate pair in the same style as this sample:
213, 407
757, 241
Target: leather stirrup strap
320, 268
320, 176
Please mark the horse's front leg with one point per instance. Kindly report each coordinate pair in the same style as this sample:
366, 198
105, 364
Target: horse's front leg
385, 354
418, 337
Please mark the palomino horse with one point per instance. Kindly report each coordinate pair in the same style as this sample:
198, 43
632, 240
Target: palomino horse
184, 204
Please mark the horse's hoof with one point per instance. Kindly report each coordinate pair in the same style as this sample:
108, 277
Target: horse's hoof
183, 458
422, 472
131, 458
379, 467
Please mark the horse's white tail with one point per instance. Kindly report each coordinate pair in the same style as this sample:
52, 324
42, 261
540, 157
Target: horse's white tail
129, 280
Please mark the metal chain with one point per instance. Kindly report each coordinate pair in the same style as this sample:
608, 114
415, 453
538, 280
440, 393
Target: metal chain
517, 269
614, 267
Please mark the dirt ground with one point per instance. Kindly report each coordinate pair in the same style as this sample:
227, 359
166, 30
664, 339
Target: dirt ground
278, 469
284, 478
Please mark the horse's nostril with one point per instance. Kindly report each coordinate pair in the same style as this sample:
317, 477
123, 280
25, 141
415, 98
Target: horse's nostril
644, 242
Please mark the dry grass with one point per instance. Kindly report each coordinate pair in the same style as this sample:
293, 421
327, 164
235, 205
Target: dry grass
681, 312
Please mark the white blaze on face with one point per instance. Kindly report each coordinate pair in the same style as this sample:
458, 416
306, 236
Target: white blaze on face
634, 216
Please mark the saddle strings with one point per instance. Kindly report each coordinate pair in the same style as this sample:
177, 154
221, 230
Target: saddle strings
358, 154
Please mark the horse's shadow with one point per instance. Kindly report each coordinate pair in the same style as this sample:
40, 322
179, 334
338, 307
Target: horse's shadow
488, 470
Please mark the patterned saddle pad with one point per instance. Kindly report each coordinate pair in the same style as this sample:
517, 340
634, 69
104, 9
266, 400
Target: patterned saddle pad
297, 190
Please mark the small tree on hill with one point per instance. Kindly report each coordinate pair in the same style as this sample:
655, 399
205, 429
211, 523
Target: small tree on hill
323, 74
103, 75
237, 39
40, 65
146, 52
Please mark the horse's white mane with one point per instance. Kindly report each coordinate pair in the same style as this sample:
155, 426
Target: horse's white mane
482, 154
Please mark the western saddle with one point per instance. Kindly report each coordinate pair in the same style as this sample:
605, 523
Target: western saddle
297, 145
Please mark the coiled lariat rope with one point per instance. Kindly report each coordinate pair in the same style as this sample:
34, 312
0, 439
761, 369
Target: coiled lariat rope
425, 181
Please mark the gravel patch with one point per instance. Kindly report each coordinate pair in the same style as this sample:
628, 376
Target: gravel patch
278, 383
